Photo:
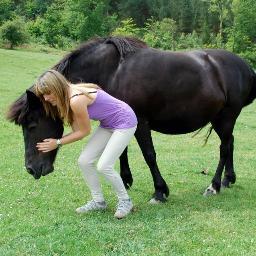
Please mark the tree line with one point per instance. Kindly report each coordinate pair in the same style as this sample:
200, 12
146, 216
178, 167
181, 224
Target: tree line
165, 24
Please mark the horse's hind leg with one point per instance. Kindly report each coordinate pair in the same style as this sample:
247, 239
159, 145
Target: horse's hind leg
229, 175
223, 126
144, 139
125, 171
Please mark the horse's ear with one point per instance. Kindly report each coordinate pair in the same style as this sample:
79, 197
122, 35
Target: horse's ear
33, 101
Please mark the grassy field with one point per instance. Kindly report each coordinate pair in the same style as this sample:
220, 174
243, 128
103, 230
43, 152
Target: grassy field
38, 217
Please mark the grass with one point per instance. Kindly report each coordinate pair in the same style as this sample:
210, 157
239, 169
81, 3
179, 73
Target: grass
38, 218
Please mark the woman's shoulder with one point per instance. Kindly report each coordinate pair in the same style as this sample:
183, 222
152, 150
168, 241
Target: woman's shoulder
78, 98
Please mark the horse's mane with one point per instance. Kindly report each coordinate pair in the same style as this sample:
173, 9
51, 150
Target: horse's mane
124, 45
18, 110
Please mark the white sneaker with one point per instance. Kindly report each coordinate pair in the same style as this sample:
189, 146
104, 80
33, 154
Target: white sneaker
92, 206
124, 207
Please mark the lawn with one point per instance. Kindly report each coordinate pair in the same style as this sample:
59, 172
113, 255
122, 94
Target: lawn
37, 217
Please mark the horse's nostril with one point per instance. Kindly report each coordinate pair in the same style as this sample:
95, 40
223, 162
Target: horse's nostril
30, 171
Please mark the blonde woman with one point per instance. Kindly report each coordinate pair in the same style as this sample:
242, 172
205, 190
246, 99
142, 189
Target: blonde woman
76, 104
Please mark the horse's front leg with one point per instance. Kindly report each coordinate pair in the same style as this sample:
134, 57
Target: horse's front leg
125, 171
144, 139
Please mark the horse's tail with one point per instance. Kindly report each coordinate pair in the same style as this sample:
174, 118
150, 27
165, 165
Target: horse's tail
207, 135
252, 94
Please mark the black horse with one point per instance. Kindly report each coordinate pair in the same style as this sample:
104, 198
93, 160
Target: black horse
171, 92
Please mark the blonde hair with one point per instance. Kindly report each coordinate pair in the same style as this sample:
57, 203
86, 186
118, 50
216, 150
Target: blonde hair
54, 82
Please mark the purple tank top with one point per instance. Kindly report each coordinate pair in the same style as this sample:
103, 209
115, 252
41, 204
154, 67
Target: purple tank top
111, 112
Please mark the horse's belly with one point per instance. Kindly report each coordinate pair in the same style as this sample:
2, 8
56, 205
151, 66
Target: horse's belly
177, 126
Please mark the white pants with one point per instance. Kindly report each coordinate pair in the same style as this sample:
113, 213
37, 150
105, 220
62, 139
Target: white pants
106, 145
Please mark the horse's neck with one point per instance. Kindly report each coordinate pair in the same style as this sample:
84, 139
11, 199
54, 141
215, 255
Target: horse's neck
108, 66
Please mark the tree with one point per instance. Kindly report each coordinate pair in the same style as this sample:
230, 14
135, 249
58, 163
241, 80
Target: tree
89, 18
127, 28
138, 10
161, 34
6, 10
53, 27
243, 32
14, 32
222, 8
189, 41
186, 17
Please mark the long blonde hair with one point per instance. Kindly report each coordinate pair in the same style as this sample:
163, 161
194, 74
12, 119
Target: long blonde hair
54, 82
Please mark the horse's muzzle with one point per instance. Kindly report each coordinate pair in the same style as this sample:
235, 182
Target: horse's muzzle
39, 171
35, 174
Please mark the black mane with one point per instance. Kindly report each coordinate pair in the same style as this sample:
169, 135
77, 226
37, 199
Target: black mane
18, 110
124, 45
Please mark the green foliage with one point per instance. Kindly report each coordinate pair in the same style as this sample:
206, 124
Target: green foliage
186, 17
226, 24
86, 19
215, 41
32, 9
96, 22
250, 55
161, 34
127, 28
222, 8
243, 32
138, 10
53, 25
36, 27
14, 32
6, 10
189, 41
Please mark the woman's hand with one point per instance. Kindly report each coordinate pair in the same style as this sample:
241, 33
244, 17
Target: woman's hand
47, 145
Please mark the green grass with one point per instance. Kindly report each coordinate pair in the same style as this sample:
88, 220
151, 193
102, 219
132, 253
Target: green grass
38, 218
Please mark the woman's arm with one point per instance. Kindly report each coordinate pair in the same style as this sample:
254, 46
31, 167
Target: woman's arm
81, 125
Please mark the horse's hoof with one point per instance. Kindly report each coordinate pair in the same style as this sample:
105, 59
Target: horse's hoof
154, 201
210, 191
159, 196
225, 184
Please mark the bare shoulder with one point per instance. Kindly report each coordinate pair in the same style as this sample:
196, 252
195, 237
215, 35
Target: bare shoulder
79, 101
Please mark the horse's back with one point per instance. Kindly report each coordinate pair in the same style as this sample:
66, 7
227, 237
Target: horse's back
180, 92
186, 73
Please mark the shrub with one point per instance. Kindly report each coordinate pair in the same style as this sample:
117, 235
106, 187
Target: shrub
14, 32
161, 34
250, 56
127, 28
189, 41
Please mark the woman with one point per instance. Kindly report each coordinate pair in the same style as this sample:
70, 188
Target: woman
76, 104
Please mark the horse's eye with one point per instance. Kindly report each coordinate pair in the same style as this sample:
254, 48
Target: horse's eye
32, 125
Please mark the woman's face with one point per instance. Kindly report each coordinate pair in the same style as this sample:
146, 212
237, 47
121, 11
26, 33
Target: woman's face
51, 98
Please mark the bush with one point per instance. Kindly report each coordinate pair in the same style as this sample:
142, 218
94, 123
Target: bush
14, 32
189, 41
215, 41
127, 28
161, 34
35, 27
250, 56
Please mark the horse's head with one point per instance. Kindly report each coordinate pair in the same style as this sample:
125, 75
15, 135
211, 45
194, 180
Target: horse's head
28, 112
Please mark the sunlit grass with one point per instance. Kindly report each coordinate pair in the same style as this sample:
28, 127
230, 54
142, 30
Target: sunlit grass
38, 217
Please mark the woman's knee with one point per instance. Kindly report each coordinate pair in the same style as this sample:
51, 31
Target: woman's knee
102, 167
84, 161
